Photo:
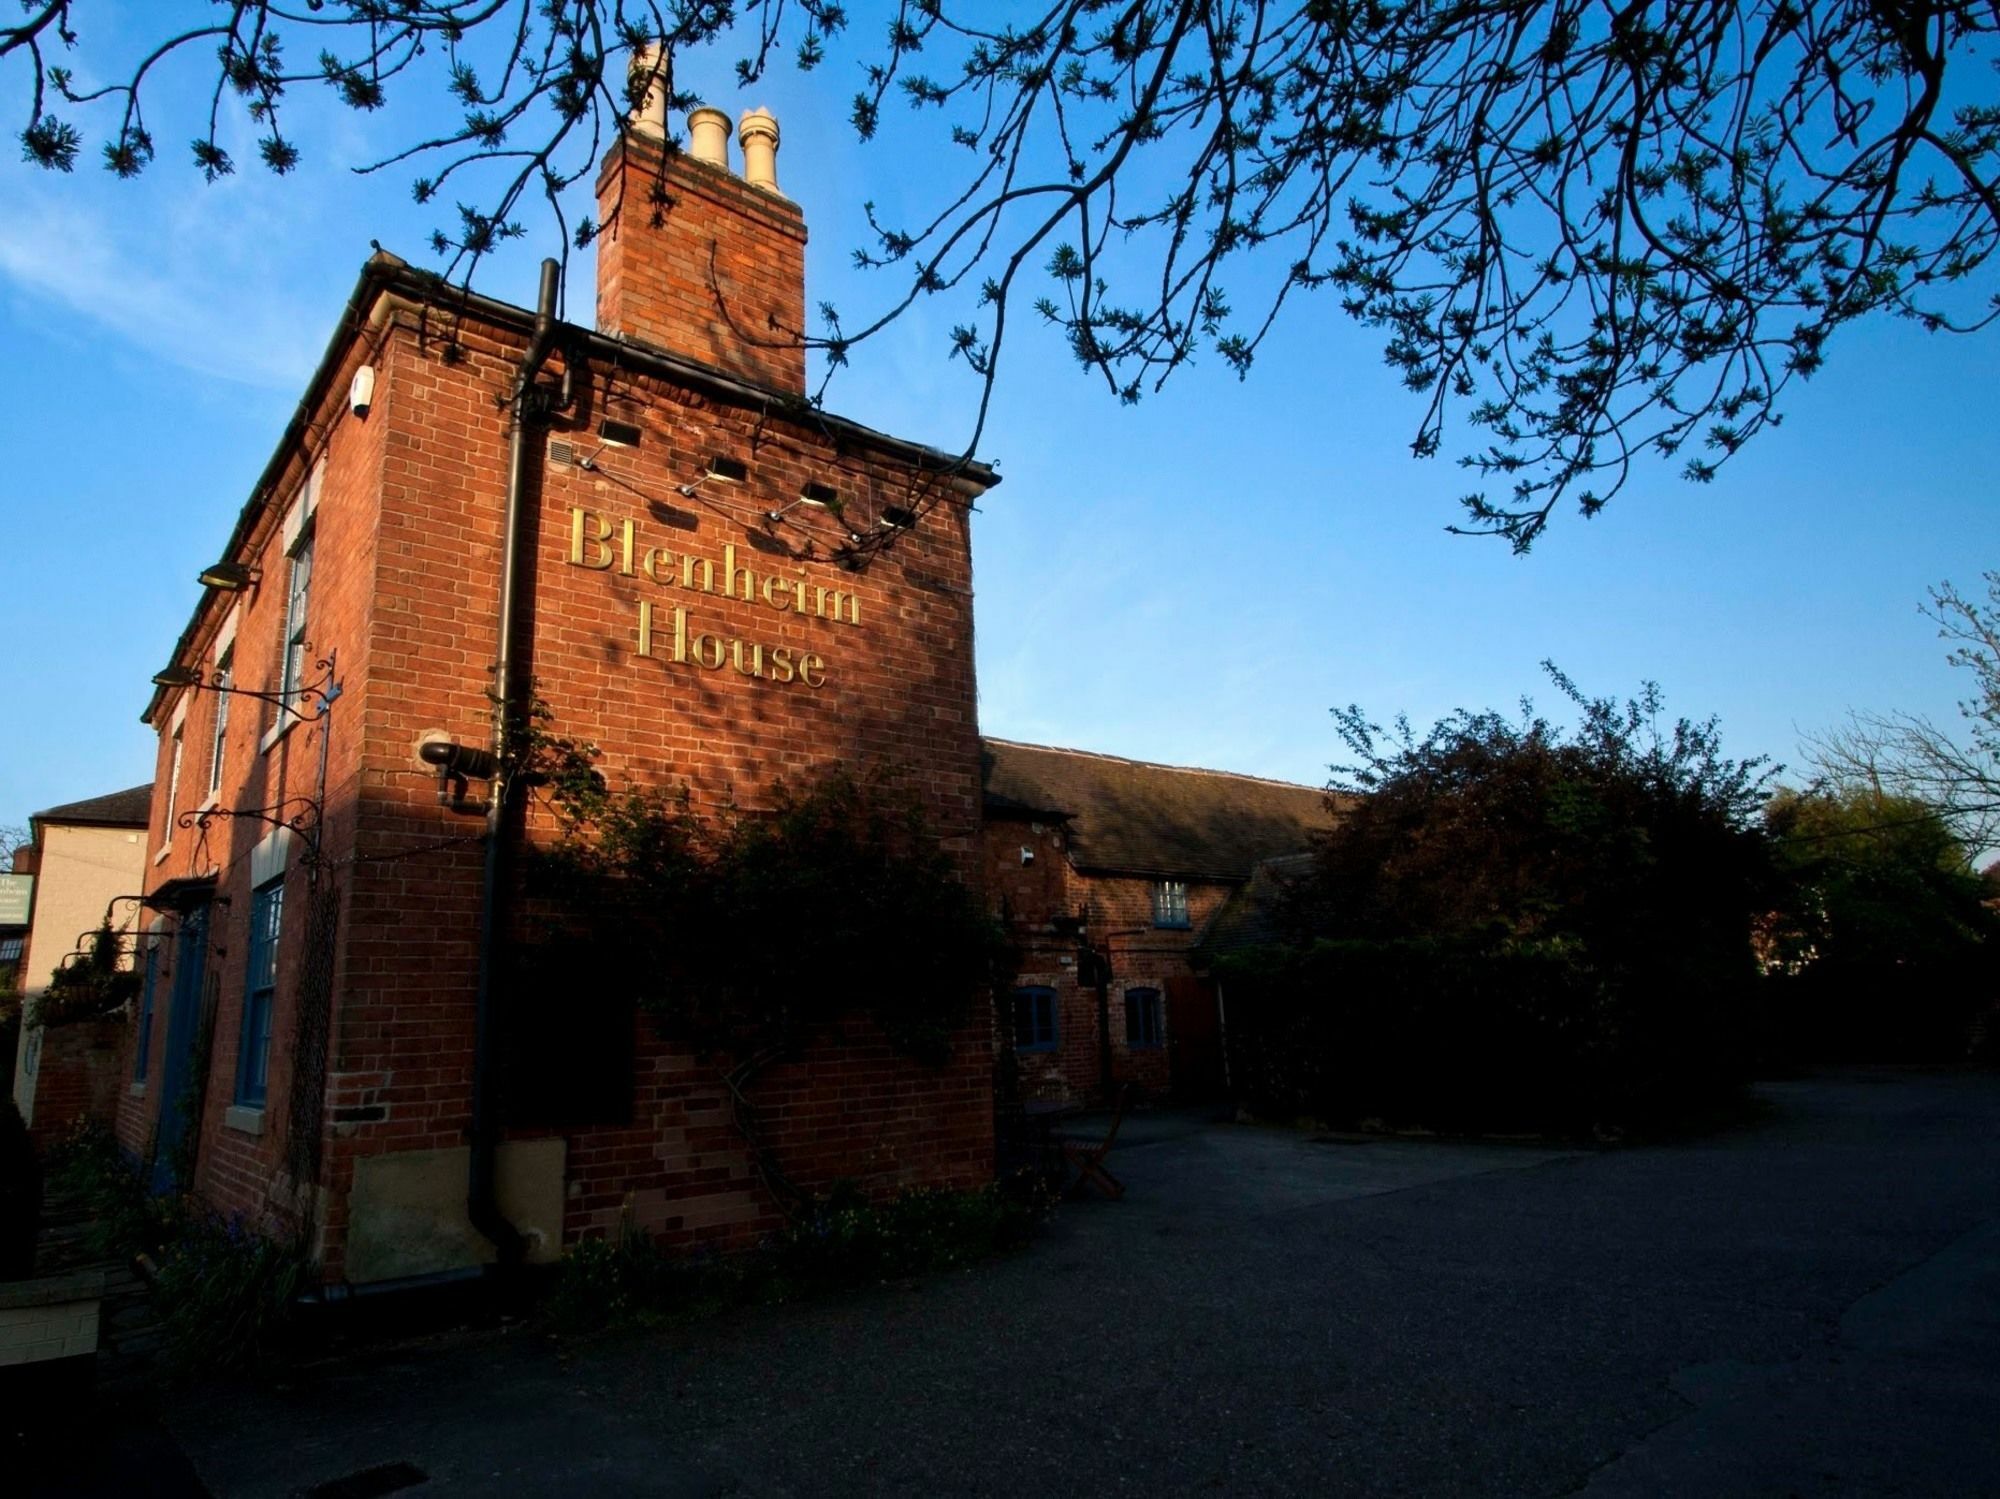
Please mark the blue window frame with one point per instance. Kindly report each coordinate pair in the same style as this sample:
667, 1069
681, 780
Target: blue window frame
142, 1051
253, 1052
1035, 1019
1142, 1018
1170, 906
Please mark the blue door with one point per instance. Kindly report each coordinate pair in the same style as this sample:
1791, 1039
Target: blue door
183, 1027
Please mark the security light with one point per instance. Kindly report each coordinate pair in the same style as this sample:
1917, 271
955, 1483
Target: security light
812, 497
229, 577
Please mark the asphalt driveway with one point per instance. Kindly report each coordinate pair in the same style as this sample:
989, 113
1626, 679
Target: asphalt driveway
1807, 1305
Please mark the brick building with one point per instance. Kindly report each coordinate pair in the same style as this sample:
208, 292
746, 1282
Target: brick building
1109, 874
86, 860
646, 526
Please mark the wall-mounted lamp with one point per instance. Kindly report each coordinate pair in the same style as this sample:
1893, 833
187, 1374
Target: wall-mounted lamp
812, 497
721, 469
229, 577
611, 433
457, 763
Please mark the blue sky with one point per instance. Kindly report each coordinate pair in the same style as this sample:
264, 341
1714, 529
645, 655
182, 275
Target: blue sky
1197, 579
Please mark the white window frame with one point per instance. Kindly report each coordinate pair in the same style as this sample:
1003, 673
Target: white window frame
299, 533
177, 736
218, 735
221, 675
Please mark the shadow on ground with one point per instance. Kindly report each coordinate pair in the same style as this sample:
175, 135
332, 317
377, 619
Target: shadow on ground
1809, 1304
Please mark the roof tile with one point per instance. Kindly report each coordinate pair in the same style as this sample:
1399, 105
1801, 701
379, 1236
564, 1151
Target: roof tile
132, 807
1141, 818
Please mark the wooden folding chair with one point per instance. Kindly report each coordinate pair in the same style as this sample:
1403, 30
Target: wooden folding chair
1086, 1157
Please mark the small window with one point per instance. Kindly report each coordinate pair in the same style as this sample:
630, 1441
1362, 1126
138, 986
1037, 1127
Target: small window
224, 666
1170, 906
253, 1055
1142, 1018
1035, 1019
142, 1049
10, 949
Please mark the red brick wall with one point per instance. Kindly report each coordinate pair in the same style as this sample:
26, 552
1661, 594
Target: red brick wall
77, 1076
697, 262
405, 587
240, 1159
896, 690
1118, 915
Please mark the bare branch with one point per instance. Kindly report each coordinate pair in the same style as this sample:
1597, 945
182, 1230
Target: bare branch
1596, 233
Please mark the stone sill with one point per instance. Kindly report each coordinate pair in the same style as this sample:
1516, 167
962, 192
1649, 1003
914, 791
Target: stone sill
51, 1290
247, 1121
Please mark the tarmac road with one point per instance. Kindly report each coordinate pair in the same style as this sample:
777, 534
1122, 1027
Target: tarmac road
1806, 1305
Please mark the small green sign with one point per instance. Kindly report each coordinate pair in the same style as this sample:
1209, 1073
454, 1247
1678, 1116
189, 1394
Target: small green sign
17, 896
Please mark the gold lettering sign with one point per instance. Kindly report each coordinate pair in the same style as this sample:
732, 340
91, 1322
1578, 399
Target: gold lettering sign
602, 543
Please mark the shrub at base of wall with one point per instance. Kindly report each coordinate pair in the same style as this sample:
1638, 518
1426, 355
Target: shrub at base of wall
1464, 1037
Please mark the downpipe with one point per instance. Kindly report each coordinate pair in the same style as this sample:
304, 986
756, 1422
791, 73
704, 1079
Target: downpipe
481, 1202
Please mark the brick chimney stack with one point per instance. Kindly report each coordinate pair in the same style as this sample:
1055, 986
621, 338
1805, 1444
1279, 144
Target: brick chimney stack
696, 260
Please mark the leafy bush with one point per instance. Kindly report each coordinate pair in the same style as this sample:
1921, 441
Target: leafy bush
846, 1240
1467, 1036
225, 1294
92, 986
1514, 924
624, 1281
1884, 949
840, 1240
125, 1217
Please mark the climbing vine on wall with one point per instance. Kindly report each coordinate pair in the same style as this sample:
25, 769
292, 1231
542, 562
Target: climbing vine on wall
749, 934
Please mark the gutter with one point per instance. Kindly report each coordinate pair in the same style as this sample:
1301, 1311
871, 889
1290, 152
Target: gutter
634, 354
482, 1207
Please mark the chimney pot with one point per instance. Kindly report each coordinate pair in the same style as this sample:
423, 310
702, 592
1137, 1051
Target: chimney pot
708, 136
650, 118
757, 131
700, 263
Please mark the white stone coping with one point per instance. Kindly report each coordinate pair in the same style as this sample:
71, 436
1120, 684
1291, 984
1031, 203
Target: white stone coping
51, 1290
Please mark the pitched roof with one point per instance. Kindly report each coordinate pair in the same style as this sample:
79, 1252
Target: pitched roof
1249, 918
129, 808
1140, 818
